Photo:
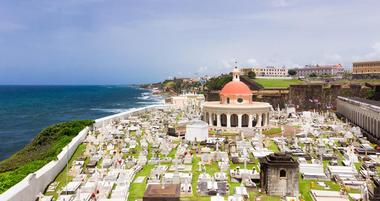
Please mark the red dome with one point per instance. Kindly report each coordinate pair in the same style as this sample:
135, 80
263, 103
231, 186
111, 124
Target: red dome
235, 88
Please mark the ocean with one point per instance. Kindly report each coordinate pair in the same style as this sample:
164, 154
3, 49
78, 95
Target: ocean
26, 110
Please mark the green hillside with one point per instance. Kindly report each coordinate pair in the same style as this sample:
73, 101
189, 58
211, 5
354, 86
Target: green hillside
44, 148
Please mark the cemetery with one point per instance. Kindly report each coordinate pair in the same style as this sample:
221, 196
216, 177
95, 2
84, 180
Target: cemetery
315, 156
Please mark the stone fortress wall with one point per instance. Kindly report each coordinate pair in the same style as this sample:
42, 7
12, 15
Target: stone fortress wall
32, 185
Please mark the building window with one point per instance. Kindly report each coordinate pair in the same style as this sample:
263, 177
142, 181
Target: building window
228, 100
282, 173
239, 100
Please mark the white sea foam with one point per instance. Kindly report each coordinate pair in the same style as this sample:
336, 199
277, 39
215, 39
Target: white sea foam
115, 110
147, 99
143, 97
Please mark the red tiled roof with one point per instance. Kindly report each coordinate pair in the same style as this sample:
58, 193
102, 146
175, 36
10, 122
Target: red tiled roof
235, 88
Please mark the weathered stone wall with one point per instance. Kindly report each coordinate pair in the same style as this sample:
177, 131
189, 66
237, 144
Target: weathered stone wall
283, 186
322, 97
212, 96
275, 100
366, 76
306, 97
377, 93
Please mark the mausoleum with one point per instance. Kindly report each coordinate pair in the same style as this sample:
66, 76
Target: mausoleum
279, 175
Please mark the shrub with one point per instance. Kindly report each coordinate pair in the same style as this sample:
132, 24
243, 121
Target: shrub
252, 75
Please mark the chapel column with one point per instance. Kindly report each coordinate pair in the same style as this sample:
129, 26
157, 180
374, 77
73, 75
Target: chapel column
264, 119
218, 120
228, 120
240, 120
267, 118
250, 121
210, 119
258, 124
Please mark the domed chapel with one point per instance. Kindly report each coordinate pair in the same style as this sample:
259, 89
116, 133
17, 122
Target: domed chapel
236, 108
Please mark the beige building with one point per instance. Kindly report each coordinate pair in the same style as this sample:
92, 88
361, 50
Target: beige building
362, 112
367, 69
236, 107
269, 71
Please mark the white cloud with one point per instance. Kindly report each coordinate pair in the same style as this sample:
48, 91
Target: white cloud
252, 62
374, 54
202, 69
228, 63
333, 58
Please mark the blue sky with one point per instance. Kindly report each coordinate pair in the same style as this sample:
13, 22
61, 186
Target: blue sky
125, 41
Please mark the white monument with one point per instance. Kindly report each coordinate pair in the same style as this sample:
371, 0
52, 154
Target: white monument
196, 130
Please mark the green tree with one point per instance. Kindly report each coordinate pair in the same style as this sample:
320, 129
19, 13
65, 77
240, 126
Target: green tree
252, 75
292, 72
313, 75
217, 83
347, 75
370, 94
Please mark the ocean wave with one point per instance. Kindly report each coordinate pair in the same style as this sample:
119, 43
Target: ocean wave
146, 103
146, 93
143, 97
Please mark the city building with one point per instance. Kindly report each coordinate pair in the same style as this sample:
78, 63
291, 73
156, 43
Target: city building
269, 71
279, 175
362, 112
367, 69
332, 70
236, 107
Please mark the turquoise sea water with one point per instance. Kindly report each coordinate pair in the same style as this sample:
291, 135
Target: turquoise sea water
25, 110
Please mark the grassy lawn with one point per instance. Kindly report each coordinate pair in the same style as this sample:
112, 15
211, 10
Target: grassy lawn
194, 182
272, 131
137, 190
306, 185
172, 153
224, 133
269, 198
276, 83
253, 194
61, 178
179, 117
271, 145
212, 168
358, 165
